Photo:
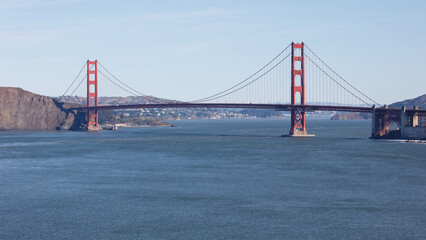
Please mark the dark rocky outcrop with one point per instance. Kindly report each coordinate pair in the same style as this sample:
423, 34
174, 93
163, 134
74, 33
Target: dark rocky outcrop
23, 110
351, 116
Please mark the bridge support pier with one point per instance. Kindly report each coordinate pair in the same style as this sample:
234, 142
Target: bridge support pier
385, 123
404, 124
374, 123
413, 124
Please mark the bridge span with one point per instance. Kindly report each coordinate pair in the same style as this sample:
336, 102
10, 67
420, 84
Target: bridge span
296, 76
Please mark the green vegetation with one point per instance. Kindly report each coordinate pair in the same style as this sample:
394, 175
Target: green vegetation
105, 116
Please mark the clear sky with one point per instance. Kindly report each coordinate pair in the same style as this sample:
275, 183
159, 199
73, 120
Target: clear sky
190, 49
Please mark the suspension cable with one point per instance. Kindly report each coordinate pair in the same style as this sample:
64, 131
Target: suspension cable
245, 80
75, 80
132, 89
78, 84
254, 80
335, 80
341, 77
81, 81
132, 93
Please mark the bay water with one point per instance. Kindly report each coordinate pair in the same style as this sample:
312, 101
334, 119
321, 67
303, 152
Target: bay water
212, 179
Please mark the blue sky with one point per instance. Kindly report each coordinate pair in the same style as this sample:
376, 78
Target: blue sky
190, 49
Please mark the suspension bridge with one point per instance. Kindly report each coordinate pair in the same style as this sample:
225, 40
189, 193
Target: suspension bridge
296, 80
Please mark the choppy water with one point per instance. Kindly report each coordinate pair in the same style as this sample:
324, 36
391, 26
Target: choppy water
228, 179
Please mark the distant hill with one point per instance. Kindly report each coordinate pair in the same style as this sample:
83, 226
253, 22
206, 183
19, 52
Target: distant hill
420, 102
175, 113
116, 100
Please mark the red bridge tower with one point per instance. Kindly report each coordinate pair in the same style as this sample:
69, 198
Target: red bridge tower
298, 127
92, 95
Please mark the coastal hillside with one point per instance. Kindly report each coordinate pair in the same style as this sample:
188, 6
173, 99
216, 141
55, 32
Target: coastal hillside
420, 102
23, 110
169, 114
116, 100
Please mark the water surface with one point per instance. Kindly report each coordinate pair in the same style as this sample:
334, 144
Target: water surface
224, 179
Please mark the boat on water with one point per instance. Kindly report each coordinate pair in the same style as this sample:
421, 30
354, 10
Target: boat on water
110, 127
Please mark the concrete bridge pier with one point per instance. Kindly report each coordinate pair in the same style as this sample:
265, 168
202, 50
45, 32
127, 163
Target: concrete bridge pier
410, 127
409, 123
373, 121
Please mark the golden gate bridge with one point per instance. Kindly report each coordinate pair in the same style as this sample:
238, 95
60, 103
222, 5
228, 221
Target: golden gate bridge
296, 80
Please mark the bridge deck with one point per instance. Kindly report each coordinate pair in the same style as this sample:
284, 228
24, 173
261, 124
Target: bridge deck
278, 107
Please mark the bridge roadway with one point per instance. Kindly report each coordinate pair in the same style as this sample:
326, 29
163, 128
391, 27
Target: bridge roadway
278, 107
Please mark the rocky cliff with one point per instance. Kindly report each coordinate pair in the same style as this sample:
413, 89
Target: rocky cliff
23, 110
